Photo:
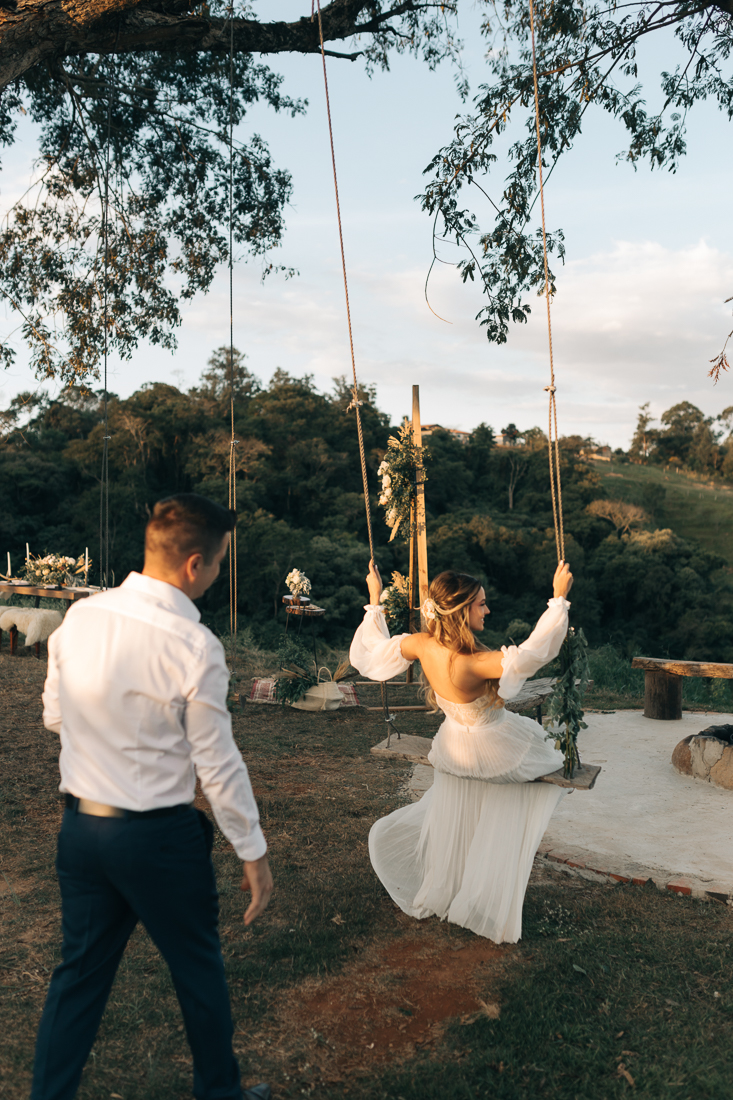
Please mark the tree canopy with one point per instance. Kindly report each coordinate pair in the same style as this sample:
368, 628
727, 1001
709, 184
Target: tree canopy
128, 213
133, 104
587, 55
638, 584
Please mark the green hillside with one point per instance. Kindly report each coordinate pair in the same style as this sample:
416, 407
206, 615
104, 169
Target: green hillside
690, 504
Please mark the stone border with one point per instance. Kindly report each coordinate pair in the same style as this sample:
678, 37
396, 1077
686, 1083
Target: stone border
604, 869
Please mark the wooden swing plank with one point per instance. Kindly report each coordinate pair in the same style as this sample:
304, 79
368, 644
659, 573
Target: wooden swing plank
416, 749
584, 778
407, 747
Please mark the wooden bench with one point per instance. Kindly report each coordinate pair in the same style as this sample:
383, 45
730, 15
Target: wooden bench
663, 683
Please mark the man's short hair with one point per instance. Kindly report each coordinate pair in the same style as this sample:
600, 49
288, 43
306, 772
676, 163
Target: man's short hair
187, 524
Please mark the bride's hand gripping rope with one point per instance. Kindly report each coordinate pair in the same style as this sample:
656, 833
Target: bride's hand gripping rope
374, 583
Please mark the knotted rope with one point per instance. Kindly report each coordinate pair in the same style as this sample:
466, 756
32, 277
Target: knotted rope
555, 482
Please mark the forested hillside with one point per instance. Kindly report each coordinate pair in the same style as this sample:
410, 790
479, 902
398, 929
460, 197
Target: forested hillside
299, 501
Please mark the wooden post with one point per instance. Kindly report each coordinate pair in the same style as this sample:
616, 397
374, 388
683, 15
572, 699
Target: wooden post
662, 696
420, 532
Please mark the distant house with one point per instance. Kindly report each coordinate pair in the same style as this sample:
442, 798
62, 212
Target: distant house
506, 439
459, 436
598, 454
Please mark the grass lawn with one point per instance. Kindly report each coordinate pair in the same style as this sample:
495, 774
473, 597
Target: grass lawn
613, 991
694, 507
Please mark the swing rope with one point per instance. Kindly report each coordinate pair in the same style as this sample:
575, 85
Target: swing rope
104, 478
233, 441
355, 402
555, 482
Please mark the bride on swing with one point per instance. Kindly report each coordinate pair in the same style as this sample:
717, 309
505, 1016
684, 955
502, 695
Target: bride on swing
465, 850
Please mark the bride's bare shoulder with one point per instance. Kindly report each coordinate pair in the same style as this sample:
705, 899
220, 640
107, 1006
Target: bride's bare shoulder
487, 663
413, 646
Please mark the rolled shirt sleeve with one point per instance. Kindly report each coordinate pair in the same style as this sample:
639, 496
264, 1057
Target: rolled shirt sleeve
51, 705
521, 662
216, 758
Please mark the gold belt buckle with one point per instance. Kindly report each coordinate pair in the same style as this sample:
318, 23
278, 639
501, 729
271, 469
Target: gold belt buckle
98, 809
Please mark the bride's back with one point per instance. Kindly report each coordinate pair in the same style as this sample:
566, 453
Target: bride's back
457, 677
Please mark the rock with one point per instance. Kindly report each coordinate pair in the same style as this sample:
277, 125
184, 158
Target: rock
721, 773
682, 757
705, 756
706, 751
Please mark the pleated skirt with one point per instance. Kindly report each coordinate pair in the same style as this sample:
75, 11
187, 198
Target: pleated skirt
464, 852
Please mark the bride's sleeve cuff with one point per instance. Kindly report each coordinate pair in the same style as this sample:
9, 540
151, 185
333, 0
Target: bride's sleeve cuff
558, 601
373, 607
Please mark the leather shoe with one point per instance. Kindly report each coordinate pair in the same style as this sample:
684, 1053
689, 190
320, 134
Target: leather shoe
257, 1092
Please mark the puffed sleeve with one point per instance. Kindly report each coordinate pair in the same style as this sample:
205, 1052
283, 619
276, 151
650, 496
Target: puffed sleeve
373, 653
542, 646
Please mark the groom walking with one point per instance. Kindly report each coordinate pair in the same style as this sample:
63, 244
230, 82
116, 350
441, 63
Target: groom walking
137, 690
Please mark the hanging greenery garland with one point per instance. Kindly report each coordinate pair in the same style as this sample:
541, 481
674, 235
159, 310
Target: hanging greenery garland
566, 703
398, 475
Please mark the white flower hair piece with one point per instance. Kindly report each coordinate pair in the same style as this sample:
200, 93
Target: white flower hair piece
429, 610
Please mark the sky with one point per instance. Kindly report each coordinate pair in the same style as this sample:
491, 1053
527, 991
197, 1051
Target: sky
640, 308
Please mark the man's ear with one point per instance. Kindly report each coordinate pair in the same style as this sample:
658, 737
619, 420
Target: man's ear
193, 565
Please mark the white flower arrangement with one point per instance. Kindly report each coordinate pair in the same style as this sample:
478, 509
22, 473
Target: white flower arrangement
398, 476
298, 583
56, 569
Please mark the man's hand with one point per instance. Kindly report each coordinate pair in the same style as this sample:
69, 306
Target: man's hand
258, 879
374, 583
563, 580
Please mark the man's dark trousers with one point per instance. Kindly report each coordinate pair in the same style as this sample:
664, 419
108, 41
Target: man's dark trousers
112, 873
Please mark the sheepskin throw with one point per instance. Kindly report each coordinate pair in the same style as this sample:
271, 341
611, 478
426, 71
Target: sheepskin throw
35, 622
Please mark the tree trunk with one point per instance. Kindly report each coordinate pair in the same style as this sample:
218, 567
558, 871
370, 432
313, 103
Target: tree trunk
37, 31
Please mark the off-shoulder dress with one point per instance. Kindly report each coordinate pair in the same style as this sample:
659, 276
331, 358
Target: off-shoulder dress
465, 850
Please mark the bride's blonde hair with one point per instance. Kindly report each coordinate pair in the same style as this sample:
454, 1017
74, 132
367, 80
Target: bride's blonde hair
449, 600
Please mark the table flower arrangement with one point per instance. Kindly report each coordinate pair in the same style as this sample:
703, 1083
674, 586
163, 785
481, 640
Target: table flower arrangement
398, 476
298, 583
54, 569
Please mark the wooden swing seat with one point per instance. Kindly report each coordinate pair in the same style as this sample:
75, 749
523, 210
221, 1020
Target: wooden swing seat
416, 749
533, 694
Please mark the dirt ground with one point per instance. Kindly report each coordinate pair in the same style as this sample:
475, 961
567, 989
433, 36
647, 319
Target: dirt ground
379, 987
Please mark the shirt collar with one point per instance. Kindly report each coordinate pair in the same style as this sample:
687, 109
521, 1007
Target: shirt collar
164, 593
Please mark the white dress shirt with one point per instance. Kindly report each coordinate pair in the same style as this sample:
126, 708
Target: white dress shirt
137, 689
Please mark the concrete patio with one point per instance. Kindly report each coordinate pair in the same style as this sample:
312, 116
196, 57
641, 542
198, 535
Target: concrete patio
642, 820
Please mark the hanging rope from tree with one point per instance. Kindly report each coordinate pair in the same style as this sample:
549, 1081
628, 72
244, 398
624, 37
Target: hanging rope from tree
233, 441
355, 402
555, 482
104, 477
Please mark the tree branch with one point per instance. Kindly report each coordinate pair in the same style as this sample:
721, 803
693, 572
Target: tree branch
42, 30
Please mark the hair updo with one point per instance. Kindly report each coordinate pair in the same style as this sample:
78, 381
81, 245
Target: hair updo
450, 596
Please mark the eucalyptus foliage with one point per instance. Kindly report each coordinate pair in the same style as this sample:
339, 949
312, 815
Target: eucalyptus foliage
298, 671
586, 56
566, 702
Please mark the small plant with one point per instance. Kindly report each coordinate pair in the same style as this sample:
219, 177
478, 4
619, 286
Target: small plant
566, 703
54, 569
556, 921
396, 603
298, 671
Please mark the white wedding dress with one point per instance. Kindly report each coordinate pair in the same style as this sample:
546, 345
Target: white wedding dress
465, 850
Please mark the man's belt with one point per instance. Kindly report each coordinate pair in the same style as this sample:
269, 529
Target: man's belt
99, 809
